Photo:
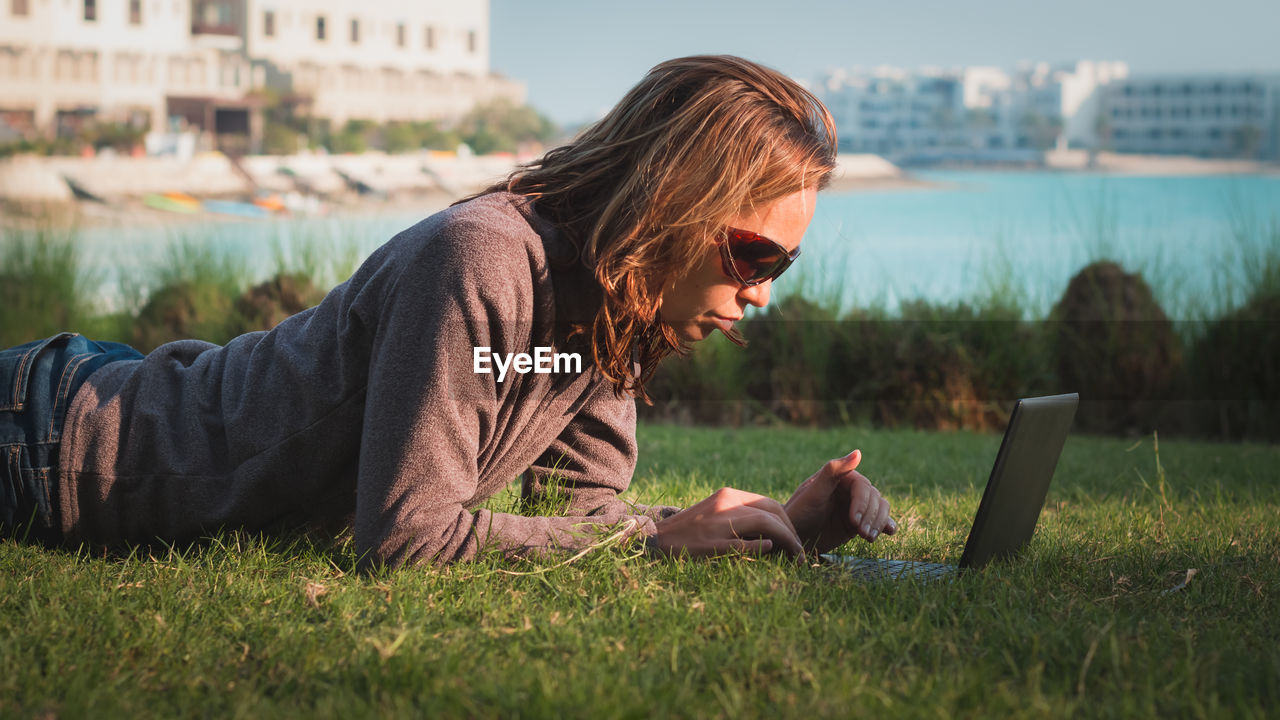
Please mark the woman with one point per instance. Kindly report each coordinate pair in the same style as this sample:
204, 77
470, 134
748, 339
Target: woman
401, 402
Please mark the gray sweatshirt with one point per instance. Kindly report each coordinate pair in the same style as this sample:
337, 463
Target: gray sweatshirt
370, 404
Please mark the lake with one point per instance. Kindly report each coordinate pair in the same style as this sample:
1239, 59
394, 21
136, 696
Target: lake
966, 234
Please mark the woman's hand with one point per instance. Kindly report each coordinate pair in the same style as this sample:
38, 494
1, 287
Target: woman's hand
727, 521
835, 504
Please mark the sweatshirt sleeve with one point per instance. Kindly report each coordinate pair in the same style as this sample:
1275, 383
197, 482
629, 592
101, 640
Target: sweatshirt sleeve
583, 472
427, 411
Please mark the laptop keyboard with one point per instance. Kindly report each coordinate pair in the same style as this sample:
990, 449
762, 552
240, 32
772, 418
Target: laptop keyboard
873, 569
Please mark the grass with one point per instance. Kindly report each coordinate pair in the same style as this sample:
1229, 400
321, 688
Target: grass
1089, 621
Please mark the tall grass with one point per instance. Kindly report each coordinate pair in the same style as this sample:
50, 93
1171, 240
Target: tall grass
816, 358
822, 352
42, 284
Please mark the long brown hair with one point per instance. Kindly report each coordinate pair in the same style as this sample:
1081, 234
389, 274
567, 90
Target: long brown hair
697, 141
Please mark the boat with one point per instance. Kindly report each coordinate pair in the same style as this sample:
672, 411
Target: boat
80, 192
269, 203
174, 202
239, 209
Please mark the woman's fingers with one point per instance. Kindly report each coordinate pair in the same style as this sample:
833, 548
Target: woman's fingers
729, 520
881, 521
860, 492
756, 523
753, 547
775, 508
868, 511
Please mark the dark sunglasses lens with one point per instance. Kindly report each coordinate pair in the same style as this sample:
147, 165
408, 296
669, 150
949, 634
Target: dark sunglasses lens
755, 258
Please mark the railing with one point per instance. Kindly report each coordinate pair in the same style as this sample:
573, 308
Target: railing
201, 28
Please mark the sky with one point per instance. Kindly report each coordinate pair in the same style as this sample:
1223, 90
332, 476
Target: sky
578, 57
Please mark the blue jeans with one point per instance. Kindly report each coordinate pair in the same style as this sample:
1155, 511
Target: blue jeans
37, 382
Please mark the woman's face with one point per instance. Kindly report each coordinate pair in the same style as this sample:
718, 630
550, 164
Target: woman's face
705, 298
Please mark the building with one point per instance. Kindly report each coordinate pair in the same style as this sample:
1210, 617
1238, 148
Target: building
380, 61
1205, 115
1064, 98
163, 64
891, 112
978, 113
62, 63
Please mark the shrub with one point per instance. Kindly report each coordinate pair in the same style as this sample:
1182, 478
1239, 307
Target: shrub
792, 358
186, 309
933, 367
1233, 368
1114, 344
267, 304
939, 367
704, 387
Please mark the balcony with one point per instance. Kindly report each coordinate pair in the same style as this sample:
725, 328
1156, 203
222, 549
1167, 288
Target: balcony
218, 23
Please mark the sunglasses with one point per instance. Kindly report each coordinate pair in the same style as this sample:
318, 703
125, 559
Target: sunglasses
752, 259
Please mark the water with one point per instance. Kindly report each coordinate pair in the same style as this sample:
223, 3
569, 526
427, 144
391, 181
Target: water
1028, 232
971, 233
125, 259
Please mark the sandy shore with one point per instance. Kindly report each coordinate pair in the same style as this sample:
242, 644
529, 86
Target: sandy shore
34, 196
132, 213
401, 185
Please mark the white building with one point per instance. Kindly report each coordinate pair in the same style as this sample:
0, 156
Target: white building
155, 63
63, 61
888, 111
1066, 97
978, 113
381, 61
1206, 115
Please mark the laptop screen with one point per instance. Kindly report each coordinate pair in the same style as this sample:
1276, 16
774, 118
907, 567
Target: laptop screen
1019, 482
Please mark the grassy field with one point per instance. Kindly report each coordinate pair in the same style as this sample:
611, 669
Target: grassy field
1094, 619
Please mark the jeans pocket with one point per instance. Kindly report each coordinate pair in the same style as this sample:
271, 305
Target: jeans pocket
15, 371
11, 483
38, 507
26, 500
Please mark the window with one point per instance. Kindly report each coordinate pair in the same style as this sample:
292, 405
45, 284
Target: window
268, 23
20, 8
135, 12
90, 10
355, 31
431, 38
471, 41
399, 34
320, 27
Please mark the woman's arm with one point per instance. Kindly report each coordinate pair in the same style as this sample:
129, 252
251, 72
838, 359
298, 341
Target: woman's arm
429, 416
590, 464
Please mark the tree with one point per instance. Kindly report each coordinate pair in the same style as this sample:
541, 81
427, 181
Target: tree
980, 119
500, 126
1040, 132
1102, 132
1247, 140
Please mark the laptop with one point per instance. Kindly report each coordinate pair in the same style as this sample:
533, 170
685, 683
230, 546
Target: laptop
1011, 503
